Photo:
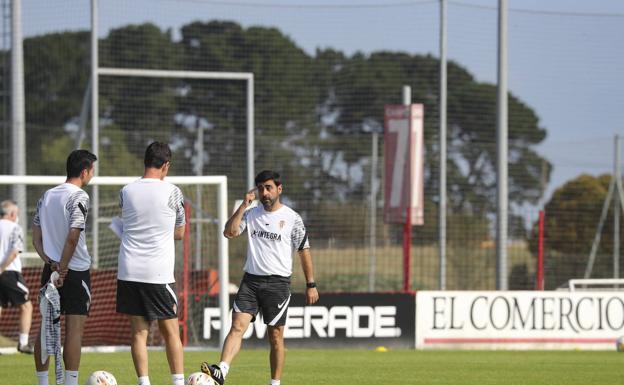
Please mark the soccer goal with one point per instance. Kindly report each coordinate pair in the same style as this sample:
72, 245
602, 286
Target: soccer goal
202, 276
596, 284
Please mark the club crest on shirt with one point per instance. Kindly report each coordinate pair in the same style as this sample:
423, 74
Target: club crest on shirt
281, 224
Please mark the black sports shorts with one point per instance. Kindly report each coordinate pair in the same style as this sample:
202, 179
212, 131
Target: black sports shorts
269, 293
153, 301
13, 289
75, 292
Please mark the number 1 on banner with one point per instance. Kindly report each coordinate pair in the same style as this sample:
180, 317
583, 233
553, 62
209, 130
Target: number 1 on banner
401, 128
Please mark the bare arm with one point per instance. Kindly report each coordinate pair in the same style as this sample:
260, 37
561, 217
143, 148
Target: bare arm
178, 233
14, 253
37, 241
306, 263
68, 252
232, 226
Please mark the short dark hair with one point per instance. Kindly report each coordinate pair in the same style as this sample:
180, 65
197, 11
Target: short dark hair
79, 160
157, 154
267, 175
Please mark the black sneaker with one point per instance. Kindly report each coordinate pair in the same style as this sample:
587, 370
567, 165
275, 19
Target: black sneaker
213, 371
26, 349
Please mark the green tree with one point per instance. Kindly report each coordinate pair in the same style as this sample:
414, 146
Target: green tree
285, 95
313, 113
571, 220
368, 82
55, 78
142, 108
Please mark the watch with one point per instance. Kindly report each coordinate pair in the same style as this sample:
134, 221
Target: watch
311, 285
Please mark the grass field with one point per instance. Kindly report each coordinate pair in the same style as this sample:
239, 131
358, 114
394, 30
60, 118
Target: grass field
359, 367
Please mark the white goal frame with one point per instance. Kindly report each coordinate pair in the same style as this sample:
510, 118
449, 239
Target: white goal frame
222, 213
573, 284
164, 74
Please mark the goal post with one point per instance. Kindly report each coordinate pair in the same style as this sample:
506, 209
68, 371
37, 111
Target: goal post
108, 72
605, 284
246, 77
104, 268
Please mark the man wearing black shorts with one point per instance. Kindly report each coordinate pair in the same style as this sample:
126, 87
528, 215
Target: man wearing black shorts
152, 212
274, 230
59, 238
13, 289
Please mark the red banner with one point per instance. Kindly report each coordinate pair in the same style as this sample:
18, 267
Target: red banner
404, 163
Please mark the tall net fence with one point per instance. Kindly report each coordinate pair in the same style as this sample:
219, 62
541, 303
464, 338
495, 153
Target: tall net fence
322, 75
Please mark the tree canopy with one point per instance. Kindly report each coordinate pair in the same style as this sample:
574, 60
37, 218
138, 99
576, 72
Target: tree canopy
571, 220
313, 115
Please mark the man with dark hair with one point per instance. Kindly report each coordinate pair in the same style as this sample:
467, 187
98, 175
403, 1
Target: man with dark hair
13, 289
78, 161
156, 155
59, 238
152, 212
274, 230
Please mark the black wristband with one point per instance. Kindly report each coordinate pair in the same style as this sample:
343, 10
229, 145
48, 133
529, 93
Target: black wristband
311, 285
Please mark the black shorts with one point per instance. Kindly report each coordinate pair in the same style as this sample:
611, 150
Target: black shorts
13, 289
75, 293
270, 293
153, 301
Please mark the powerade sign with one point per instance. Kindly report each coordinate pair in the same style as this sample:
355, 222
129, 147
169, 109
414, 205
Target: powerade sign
341, 320
521, 320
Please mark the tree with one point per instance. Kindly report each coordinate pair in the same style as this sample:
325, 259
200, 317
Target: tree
571, 219
142, 108
313, 113
285, 94
369, 82
55, 78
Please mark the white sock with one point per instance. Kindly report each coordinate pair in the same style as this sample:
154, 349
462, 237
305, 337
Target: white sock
144, 380
225, 368
275, 382
177, 379
71, 377
23, 339
42, 378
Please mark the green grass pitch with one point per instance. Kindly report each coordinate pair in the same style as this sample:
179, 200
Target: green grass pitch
358, 367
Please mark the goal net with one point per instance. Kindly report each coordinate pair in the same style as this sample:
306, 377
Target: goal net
201, 259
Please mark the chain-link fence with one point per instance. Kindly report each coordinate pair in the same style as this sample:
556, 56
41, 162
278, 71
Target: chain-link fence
322, 75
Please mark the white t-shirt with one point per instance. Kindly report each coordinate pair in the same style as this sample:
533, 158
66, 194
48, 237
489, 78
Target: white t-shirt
59, 209
272, 236
151, 209
11, 239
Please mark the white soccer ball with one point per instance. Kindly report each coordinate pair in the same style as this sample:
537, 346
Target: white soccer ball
101, 377
199, 378
619, 344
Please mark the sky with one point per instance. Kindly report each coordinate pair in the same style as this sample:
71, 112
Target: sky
565, 56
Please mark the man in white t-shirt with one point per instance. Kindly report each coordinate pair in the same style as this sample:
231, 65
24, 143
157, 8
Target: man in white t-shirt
152, 212
13, 289
59, 237
274, 230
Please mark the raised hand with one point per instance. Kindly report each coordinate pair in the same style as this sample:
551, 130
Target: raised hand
250, 196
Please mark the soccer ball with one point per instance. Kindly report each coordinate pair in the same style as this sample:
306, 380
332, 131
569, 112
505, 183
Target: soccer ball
619, 344
199, 378
101, 377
